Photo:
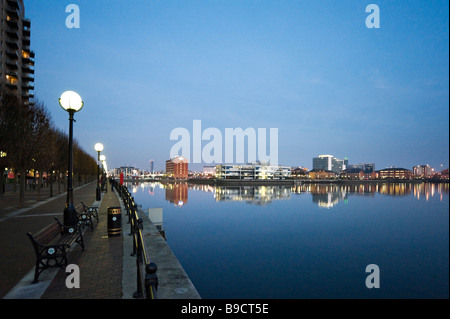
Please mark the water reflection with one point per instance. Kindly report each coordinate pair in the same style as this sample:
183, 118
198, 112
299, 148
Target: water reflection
326, 195
299, 253
259, 195
177, 193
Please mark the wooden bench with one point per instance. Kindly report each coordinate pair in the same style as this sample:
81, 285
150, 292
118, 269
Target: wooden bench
51, 245
84, 216
92, 209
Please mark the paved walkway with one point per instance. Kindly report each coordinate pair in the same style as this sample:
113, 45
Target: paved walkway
100, 264
107, 269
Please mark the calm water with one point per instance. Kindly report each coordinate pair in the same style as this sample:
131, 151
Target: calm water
313, 241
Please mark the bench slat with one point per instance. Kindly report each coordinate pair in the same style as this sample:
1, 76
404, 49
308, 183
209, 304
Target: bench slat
47, 234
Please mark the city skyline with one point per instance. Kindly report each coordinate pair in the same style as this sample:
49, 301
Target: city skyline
311, 69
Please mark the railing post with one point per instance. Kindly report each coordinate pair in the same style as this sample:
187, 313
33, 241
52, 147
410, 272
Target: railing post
134, 229
151, 281
139, 292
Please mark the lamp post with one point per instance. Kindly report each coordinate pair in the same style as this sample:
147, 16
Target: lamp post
104, 179
71, 102
98, 147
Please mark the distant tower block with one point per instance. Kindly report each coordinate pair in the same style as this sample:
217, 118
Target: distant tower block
152, 166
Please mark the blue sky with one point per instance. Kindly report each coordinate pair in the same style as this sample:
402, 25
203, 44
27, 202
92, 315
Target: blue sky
310, 68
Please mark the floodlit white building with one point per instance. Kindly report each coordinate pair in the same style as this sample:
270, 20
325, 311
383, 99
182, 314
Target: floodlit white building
257, 170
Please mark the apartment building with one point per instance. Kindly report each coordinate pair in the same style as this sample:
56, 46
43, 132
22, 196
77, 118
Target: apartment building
177, 167
16, 57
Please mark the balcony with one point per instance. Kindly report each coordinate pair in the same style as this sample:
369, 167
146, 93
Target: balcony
12, 54
27, 61
26, 23
11, 77
12, 34
27, 87
27, 69
12, 23
12, 12
12, 65
26, 44
12, 44
11, 86
11, 81
26, 78
13, 4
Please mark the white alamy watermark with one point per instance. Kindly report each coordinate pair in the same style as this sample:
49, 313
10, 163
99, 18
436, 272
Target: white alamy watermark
73, 19
373, 279
233, 143
73, 278
373, 19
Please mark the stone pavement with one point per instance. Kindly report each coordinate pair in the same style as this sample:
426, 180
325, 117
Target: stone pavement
100, 264
107, 271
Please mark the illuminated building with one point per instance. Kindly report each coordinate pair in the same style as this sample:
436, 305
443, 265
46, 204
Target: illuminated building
254, 171
395, 172
321, 174
366, 167
16, 58
423, 171
352, 173
329, 163
177, 167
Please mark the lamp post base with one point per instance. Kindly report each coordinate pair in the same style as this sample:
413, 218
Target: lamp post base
98, 194
70, 216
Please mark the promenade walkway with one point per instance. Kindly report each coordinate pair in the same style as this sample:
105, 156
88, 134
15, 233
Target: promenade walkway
100, 264
107, 271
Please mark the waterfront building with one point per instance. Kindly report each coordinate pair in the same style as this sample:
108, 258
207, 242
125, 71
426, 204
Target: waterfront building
253, 171
299, 172
177, 167
423, 171
371, 175
127, 171
395, 172
321, 174
329, 163
366, 167
16, 57
352, 173
152, 166
322, 162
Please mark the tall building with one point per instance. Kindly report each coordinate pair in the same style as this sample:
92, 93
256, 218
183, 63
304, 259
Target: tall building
323, 162
423, 171
152, 166
177, 167
329, 163
16, 57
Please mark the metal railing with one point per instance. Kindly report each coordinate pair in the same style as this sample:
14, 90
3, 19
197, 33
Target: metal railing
146, 277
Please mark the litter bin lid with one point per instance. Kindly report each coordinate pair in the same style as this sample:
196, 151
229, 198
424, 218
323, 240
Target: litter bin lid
114, 210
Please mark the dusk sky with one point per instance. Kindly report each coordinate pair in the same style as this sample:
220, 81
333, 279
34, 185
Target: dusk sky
310, 68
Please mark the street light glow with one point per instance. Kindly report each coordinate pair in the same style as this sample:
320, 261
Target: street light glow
71, 101
98, 147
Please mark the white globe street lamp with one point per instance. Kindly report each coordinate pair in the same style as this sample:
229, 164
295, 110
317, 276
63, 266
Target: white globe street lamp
71, 102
